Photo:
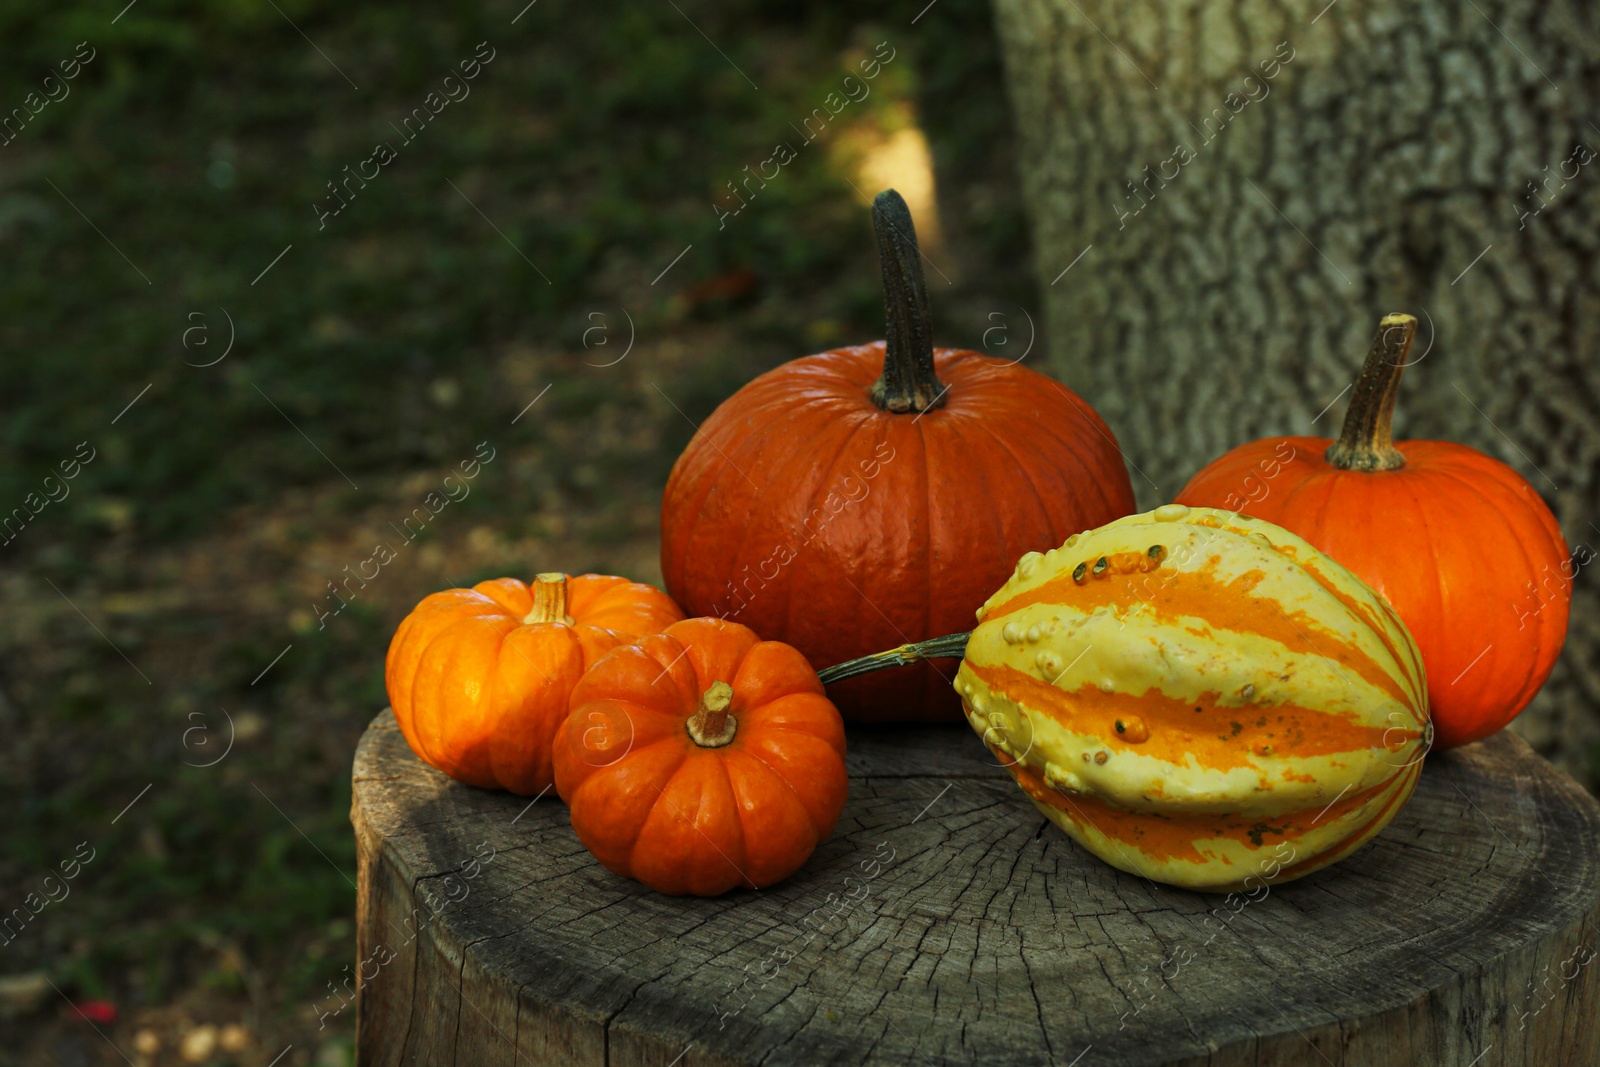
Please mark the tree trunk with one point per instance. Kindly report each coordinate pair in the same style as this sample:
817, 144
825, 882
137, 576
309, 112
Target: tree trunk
1310, 169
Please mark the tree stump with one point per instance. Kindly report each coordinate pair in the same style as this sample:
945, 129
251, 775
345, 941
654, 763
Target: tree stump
946, 922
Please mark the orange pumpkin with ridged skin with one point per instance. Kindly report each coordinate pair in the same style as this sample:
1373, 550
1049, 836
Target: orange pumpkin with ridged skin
702, 759
1459, 544
479, 678
839, 502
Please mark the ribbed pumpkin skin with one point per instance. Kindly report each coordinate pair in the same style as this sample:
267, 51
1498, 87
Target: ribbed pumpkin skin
652, 804
1267, 697
1458, 543
804, 511
479, 695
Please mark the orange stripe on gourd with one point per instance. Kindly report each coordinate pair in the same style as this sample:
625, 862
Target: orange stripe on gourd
1400, 792
1230, 606
1407, 660
1174, 731
1177, 835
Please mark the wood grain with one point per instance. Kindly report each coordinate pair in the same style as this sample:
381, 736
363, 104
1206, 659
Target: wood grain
945, 922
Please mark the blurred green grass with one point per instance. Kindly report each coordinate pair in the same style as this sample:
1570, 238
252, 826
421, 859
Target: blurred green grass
395, 339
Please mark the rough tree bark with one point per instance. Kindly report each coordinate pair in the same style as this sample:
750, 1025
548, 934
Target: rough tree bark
1384, 164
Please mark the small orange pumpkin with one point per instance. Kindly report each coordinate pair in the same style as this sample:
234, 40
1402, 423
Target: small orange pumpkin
1459, 543
479, 678
702, 759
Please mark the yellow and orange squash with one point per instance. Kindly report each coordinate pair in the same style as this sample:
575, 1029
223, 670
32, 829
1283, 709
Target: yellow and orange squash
1184, 691
1197, 697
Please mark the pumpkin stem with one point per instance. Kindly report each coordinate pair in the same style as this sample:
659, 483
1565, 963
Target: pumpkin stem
1366, 443
549, 599
712, 726
951, 646
908, 382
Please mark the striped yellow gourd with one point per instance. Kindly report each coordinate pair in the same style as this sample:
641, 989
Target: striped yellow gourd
1199, 697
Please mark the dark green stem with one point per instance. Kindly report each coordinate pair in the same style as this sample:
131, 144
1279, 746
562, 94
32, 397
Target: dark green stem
908, 382
1366, 442
951, 646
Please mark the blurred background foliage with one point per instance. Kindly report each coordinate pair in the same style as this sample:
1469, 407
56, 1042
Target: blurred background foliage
175, 599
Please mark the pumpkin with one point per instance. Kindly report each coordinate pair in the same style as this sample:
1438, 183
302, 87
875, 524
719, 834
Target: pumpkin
873, 495
1197, 697
479, 678
702, 759
1458, 543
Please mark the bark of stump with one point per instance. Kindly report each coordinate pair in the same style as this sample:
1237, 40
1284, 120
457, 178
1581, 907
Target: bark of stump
946, 922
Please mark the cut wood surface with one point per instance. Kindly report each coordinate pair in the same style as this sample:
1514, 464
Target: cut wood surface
945, 922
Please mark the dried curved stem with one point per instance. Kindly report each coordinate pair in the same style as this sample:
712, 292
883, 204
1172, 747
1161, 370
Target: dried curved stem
1366, 443
908, 382
951, 646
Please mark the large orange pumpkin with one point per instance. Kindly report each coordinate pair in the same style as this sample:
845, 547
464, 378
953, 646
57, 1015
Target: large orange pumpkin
874, 495
702, 759
1461, 546
479, 678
